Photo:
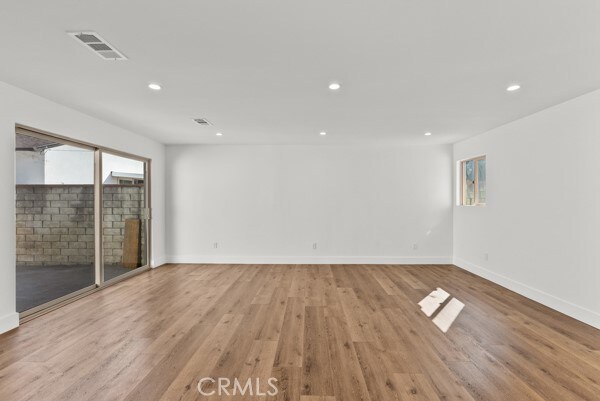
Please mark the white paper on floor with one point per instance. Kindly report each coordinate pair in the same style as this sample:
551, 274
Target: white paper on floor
448, 315
432, 302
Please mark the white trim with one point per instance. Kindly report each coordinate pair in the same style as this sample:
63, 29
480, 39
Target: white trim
118, 174
157, 262
9, 322
329, 260
575, 311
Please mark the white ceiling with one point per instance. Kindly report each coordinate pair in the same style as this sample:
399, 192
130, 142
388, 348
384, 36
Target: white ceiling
259, 69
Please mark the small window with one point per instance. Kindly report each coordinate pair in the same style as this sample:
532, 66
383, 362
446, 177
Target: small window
473, 180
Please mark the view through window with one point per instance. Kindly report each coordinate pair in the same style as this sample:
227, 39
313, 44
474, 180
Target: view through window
473, 181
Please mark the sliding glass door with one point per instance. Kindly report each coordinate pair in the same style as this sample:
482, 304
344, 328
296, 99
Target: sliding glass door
124, 215
54, 205
81, 218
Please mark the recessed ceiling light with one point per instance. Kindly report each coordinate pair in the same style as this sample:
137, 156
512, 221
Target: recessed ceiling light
154, 86
322, 133
428, 134
514, 87
219, 134
334, 86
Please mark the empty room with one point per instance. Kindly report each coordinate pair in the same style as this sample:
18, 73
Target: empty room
300, 201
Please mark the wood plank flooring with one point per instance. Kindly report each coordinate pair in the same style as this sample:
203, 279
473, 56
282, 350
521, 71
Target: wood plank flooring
326, 333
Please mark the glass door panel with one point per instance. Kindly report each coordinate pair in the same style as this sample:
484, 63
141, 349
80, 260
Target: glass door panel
124, 239
55, 232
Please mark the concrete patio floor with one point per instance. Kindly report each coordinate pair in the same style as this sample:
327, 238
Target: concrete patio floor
37, 285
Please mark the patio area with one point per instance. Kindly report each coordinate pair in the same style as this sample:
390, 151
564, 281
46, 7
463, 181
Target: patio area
55, 233
38, 284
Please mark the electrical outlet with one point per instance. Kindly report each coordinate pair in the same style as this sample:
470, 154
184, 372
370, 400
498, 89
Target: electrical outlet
415, 246
314, 245
486, 256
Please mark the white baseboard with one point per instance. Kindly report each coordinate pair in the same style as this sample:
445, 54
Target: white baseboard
575, 311
156, 262
9, 322
326, 260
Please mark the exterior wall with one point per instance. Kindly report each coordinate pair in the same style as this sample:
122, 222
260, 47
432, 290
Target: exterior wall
56, 166
68, 165
30, 168
55, 223
121, 202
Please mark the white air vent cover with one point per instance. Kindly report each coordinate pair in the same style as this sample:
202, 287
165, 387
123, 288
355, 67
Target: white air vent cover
202, 121
95, 43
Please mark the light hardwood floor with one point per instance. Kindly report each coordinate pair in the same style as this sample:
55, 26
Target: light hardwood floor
327, 333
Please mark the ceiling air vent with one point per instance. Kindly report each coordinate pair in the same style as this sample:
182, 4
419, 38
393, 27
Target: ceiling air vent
95, 43
202, 121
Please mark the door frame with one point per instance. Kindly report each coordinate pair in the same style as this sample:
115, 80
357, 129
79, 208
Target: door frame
98, 220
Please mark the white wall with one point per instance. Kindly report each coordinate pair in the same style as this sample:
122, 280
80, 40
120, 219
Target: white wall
69, 165
541, 224
18, 106
119, 164
269, 204
30, 167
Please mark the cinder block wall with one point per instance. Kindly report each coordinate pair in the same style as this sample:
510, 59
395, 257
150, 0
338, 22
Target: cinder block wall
121, 202
55, 223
